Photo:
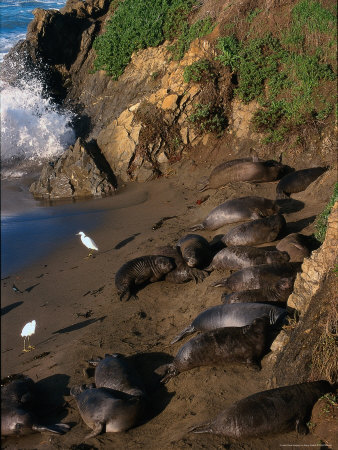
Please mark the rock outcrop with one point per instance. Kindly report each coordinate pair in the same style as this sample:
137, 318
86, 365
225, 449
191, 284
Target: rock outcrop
76, 174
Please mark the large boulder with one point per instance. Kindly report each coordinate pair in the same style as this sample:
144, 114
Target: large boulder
76, 174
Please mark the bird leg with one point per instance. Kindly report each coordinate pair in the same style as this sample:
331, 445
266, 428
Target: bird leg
89, 255
24, 345
31, 347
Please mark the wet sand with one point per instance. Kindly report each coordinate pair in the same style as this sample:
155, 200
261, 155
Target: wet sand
79, 316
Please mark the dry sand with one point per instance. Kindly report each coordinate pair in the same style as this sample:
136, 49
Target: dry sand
79, 316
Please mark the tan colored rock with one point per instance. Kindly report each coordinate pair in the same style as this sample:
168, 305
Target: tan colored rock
118, 141
170, 102
240, 121
158, 96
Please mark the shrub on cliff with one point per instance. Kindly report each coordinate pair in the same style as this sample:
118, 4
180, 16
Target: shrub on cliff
140, 24
286, 72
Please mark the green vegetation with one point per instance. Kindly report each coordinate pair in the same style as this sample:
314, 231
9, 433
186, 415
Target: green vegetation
187, 33
283, 74
196, 71
138, 24
321, 222
252, 14
208, 118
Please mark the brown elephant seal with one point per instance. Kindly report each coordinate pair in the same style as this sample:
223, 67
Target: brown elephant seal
107, 409
274, 411
17, 415
297, 181
182, 273
195, 250
276, 293
115, 372
256, 277
238, 210
243, 170
238, 257
256, 232
244, 345
297, 246
236, 315
139, 270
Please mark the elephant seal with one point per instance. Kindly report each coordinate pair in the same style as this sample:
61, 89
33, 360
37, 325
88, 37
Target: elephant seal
239, 257
182, 272
195, 250
277, 293
255, 232
256, 277
103, 408
115, 372
236, 315
296, 245
243, 170
238, 210
139, 270
297, 181
224, 345
17, 415
273, 411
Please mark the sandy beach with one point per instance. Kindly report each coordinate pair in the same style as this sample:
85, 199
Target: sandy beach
80, 316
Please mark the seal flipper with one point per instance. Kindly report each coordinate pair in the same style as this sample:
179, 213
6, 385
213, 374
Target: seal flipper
204, 428
171, 372
198, 226
220, 283
301, 427
57, 428
190, 329
98, 427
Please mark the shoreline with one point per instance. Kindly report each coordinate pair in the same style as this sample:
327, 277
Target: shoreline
79, 316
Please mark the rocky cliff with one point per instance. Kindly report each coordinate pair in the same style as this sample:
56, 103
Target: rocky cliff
150, 117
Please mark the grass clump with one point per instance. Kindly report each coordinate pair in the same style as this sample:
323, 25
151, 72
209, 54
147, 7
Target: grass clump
196, 71
208, 118
286, 81
138, 24
321, 222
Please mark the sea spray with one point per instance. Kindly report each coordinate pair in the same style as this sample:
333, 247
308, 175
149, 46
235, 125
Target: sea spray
33, 127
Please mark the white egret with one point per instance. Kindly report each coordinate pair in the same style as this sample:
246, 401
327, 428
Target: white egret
88, 242
26, 332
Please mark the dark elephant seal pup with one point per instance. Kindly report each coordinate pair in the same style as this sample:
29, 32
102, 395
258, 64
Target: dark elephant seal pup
139, 270
275, 293
256, 277
224, 345
296, 245
238, 257
238, 210
195, 250
275, 411
17, 415
242, 170
236, 315
106, 409
115, 372
297, 181
255, 232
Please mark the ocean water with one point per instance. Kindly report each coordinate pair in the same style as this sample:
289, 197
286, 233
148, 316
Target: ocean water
33, 130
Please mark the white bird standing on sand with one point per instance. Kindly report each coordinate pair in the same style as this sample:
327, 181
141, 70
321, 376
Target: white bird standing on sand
26, 332
88, 242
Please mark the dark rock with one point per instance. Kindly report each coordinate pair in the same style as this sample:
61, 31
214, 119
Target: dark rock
76, 174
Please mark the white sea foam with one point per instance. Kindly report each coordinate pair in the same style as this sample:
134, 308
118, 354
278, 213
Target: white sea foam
32, 128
